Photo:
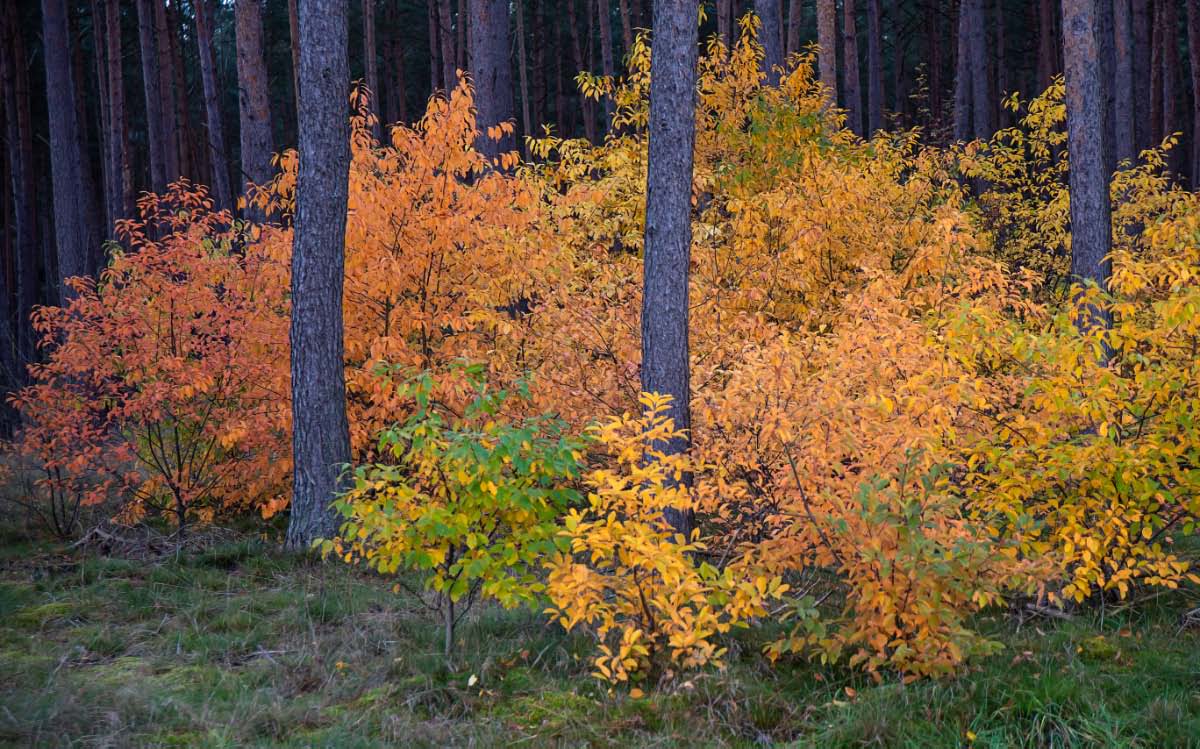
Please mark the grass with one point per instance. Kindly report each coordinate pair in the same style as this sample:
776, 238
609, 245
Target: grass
243, 646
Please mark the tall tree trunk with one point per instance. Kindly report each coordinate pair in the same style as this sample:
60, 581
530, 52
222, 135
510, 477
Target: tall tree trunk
166, 86
436, 68
561, 117
589, 119
962, 76
72, 234
626, 26
1091, 224
827, 41
875, 67
1171, 68
446, 30
725, 22
1193, 22
99, 58
771, 37
981, 96
222, 194
526, 124
492, 72
933, 43
1143, 22
294, 39
999, 112
604, 20
853, 81
153, 93
665, 364
794, 26
320, 433
537, 94
1047, 44
18, 123
1108, 62
371, 64
1125, 142
396, 88
1156, 78
461, 48
182, 110
254, 109
92, 194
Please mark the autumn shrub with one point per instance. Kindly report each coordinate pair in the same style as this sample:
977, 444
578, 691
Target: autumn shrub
468, 500
161, 389
629, 578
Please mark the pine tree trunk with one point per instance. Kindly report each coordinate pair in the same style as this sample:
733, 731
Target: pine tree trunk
446, 41
794, 26
981, 96
962, 75
254, 109
150, 87
604, 19
626, 26
1193, 22
537, 94
19, 136
166, 86
72, 234
294, 39
492, 72
222, 194
853, 81
1142, 43
396, 98
182, 110
435, 47
589, 119
320, 433
1171, 68
827, 41
1047, 44
1124, 136
725, 22
1105, 48
665, 364
462, 20
1156, 78
526, 125
1091, 225
933, 44
99, 58
875, 67
771, 38
999, 112
371, 64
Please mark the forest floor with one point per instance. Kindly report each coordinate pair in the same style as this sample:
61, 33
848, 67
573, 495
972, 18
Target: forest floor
239, 645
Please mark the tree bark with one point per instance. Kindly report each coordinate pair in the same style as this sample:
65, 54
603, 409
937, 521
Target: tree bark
853, 98
222, 194
294, 39
19, 136
1142, 42
827, 41
795, 19
604, 20
725, 23
371, 64
875, 67
962, 75
589, 119
1091, 224
492, 73
665, 364
320, 433
1105, 48
771, 37
396, 98
981, 96
166, 86
100, 53
1156, 78
187, 159
1047, 44
1125, 143
1193, 21
446, 31
435, 47
72, 234
626, 25
526, 124
933, 43
153, 93
254, 109
1171, 67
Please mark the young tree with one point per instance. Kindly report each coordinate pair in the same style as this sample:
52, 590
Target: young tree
1091, 225
254, 110
320, 432
665, 365
73, 236
491, 72
222, 193
827, 41
771, 37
